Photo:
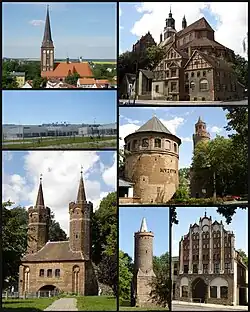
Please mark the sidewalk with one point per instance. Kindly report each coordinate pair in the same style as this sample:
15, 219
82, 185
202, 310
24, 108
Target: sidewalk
63, 304
237, 307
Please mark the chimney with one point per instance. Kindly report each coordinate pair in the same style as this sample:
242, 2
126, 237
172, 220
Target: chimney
160, 38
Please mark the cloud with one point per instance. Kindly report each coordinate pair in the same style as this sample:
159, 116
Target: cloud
187, 139
7, 155
129, 120
231, 23
173, 124
215, 129
125, 130
61, 175
36, 22
175, 248
120, 10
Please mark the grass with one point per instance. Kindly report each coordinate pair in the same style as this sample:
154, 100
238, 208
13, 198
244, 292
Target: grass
51, 142
125, 306
96, 303
103, 62
26, 305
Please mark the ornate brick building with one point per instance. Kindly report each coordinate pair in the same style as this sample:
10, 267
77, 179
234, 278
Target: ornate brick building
151, 162
145, 42
58, 70
195, 66
66, 265
143, 267
208, 268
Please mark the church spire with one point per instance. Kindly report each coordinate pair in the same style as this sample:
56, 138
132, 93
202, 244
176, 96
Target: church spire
144, 227
40, 200
47, 37
81, 197
184, 22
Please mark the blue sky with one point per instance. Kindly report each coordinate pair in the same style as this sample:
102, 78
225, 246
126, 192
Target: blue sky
61, 174
179, 120
78, 29
137, 18
57, 106
130, 222
191, 215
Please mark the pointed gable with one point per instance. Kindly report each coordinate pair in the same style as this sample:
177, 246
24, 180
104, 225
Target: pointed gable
197, 58
197, 25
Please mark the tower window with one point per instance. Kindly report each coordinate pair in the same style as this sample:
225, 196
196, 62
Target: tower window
57, 273
175, 147
76, 235
49, 273
146, 251
145, 143
41, 273
158, 143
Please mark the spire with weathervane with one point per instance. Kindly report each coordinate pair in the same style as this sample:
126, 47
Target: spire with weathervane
40, 200
47, 48
81, 197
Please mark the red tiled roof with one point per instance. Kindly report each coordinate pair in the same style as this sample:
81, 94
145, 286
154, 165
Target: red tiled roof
200, 24
62, 70
87, 81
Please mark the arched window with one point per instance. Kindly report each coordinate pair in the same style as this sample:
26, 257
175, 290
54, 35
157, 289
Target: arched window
192, 85
192, 74
203, 85
167, 144
129, 146
175, 147
198, 74
144, 142
224, 292
158, 143
135, 144
41, 273
57, 273
49, 273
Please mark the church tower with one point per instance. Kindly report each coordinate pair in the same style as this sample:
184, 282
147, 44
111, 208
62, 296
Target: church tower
184, 22
201, 133
38, 227
169, 29
47, 48
80, 223
143, 267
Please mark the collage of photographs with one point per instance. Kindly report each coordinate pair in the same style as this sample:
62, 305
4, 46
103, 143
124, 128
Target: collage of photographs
125, 188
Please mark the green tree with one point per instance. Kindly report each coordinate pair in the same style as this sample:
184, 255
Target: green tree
240, 67
9, 82
39, 83
183, 191
72, 79
125, 275
244, 256
161, 286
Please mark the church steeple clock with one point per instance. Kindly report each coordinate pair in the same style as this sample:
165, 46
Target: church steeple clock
47, 48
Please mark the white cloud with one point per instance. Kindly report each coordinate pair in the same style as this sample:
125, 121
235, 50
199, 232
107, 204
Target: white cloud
125, 130
37, 22
232, 20
7, 155
173, 124
187, 139
61, 175
129, 120
215, 129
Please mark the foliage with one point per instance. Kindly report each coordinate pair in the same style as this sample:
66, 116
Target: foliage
107, 271
104, 71
72, 79
96, 303
161, 286
244, 256
125, 275
240, 67
15, 238
9, 82
39, 83
183, 191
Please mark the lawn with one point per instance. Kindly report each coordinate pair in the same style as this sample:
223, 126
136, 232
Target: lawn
107, 62
125, 306
60, 141
27, 305
96, 303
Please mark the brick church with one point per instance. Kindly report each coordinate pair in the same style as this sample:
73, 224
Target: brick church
209, 269
59, 266
58, 70
195, 66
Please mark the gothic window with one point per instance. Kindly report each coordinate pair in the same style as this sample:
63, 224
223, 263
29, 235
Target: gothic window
57, 273
227, 267
158, 143
144, 142
173, 86
49, 273
204, 73
157, 88
216, 268
76, 236
213, 291
184, 291
41, 273
198, 74
224, 292
167, 73
185, 268
203, 85
192, 74
195, 268
173, 73
192, 85
175, 147
205, 268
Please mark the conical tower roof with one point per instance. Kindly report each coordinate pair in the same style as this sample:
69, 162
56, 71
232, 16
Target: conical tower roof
144, 227
40, 200
81, 191
47, 37
200, 121
155, 125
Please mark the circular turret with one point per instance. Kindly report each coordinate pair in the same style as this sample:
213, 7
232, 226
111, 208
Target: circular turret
201, 133
151, 163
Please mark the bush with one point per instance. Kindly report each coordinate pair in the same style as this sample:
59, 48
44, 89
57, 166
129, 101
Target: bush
195, 201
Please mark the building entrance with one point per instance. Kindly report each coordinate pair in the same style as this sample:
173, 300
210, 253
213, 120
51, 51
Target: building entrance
199, 290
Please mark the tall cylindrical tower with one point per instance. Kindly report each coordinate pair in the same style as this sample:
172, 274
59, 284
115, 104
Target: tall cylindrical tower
152, 161
143, 267
201, 133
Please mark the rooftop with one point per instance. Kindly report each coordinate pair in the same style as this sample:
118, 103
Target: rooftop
154, 124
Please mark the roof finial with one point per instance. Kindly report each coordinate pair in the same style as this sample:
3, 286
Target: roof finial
170, 8
41, 177
205, 212
81, 169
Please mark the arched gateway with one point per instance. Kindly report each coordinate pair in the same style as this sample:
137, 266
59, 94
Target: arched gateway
48, 290
199, 290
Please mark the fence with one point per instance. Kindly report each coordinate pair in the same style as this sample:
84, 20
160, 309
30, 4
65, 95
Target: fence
38, 294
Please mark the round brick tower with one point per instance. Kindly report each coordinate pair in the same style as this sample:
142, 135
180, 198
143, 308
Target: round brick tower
152, 161
143, 266
201, 133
